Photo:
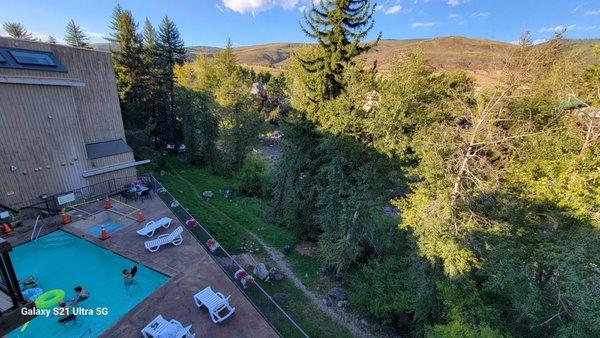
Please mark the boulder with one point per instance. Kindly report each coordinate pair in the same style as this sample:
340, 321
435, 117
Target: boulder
327, 301
275, 275
338, 294
280, 297
391, 210
260, 271
207, 194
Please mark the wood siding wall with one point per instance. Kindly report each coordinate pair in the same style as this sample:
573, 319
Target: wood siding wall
44, 129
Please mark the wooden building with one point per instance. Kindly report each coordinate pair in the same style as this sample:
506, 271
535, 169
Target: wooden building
60, 121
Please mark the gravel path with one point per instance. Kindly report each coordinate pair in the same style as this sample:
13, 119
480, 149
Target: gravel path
342, 318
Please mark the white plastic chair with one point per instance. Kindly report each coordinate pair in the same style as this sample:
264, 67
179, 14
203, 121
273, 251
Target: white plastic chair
174, 238
150, 227
215, 302
160, 327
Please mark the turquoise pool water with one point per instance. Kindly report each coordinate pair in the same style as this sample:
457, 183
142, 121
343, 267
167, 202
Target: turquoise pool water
60, 260
110, 227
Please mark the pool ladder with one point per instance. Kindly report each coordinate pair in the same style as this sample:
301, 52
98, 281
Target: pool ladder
33, 234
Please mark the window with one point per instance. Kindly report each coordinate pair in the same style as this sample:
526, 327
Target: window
33, 58
2, 59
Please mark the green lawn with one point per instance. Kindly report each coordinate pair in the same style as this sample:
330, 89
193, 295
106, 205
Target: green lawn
228, 221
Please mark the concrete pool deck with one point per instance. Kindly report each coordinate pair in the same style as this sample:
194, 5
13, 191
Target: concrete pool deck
188, 265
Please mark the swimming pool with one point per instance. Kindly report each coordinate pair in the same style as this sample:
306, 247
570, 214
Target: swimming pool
60, 260
109, 225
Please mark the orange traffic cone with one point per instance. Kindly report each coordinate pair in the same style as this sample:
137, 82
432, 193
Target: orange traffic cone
107, 203
103, 234
6, 228
139, 217
65, 218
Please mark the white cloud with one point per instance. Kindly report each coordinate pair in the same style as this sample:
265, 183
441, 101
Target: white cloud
514, 42
538, 41
393, 10
254, 6
219, 8
596, 12
302, 9
586, 28
456, 2
452, 16
378, 7
557, 29
422, 24
578, 7
481, 15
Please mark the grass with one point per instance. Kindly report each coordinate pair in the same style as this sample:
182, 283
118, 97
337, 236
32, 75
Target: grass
228, 221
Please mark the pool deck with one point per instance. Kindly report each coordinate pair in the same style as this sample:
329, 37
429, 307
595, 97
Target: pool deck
189, 267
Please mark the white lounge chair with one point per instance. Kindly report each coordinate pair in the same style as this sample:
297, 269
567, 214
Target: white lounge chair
150, 227
215, 302
173, 238
160, 327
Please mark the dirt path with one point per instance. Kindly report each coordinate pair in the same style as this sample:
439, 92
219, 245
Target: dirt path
342, 318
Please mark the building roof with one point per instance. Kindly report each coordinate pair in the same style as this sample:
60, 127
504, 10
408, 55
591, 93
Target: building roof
106, 148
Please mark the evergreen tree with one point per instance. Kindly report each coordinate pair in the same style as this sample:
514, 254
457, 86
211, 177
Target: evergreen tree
128, 58
339, 26
75, 36
51, 39
17, 30
170, 51
152, 70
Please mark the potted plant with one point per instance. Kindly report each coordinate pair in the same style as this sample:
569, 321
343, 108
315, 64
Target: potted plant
212, 245
245, 278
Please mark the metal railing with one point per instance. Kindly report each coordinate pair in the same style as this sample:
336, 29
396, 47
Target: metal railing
90, 192
279, 320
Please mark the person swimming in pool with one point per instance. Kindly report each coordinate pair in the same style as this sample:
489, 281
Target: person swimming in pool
81, 295
128, 276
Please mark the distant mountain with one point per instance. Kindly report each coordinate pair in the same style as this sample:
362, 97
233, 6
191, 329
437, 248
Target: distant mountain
480, 58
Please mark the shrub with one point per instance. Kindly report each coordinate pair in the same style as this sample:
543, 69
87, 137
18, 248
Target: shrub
252, 178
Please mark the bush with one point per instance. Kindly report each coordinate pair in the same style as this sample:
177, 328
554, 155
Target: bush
252, 178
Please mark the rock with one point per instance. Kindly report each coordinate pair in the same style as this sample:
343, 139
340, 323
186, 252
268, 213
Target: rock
275, 275
280, 297
163, 173
390, 210
287, 248
327, 301
338, 294
207, 194
342, 303
364, 322
260, 271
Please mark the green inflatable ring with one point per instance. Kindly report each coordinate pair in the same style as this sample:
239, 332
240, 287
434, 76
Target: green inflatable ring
49, 298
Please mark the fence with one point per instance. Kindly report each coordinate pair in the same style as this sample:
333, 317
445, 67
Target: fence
90, 192
281, 322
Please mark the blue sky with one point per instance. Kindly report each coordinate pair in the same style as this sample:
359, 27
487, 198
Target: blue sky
209, 22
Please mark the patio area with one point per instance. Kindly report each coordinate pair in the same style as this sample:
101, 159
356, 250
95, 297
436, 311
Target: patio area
188, 265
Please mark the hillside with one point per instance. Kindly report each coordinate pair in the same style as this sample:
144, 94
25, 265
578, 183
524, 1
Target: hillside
481, 58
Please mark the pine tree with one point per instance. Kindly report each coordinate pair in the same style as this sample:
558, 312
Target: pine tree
128, 57
339, 26
150, 59
51, 39
17, 30
170, 51
75, 36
